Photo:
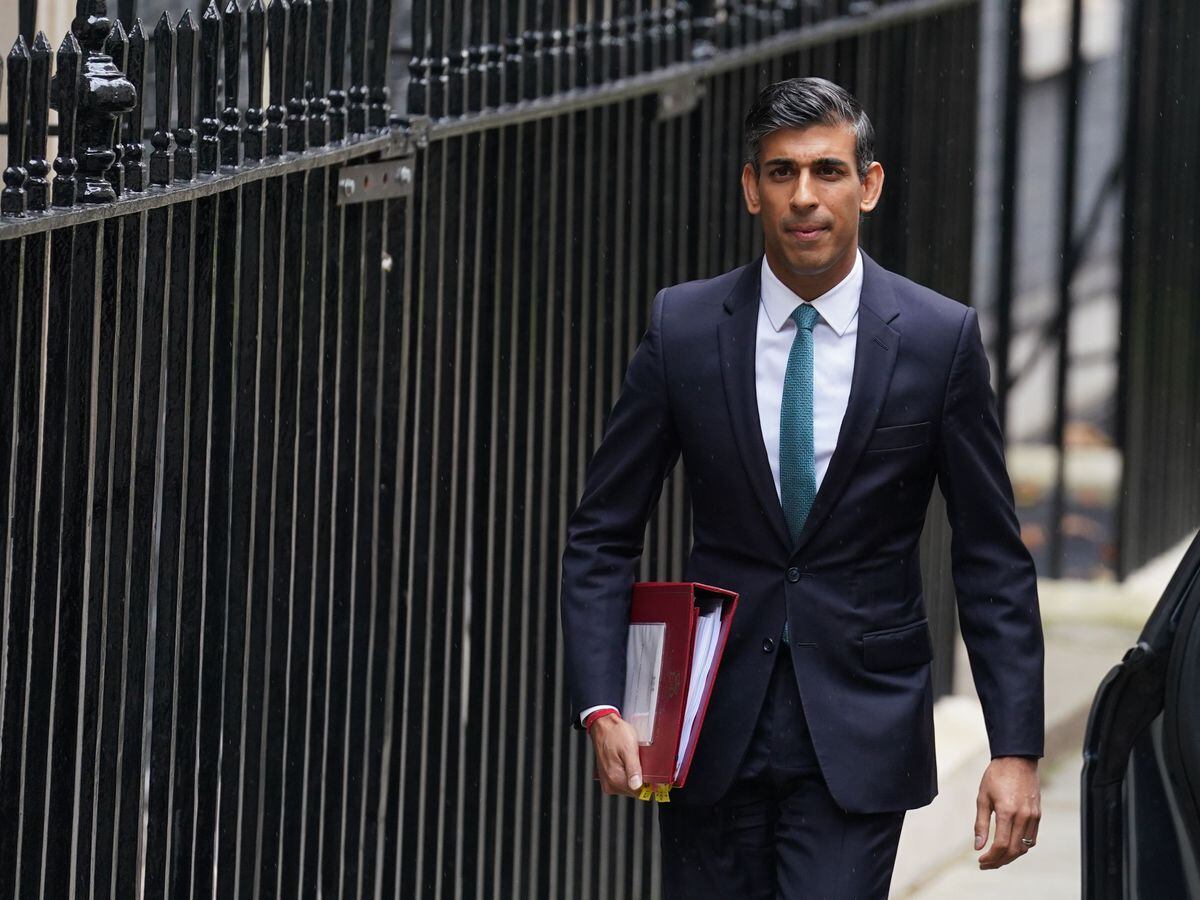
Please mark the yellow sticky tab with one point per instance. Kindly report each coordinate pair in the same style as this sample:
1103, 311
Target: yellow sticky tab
646, 792
662, 793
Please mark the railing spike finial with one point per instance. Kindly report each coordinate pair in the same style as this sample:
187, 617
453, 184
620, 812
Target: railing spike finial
252, 139
669, 29
91, 24
297, 130
475, 63
135, 71
619, 50
64, 91
418, 62
105, 93
652, 39
231, 115
458, 66
533, 44
116, 45
337, 71
162, 160
685, 49
378, 53
356, 110
37, 188
494, 95
12, 201
185, 89
513, 61
277, 30
210, 125
558, 64
314, 88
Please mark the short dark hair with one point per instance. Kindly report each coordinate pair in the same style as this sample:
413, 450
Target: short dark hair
802, 103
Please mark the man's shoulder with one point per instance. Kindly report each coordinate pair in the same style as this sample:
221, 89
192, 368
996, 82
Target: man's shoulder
922, 306
690, 309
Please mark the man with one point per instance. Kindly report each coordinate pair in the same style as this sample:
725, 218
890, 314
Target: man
814, 398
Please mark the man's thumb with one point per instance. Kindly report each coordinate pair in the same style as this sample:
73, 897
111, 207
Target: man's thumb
633, 768
983, 811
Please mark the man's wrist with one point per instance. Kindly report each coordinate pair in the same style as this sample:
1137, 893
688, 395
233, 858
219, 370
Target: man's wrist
599, 716
1031, 761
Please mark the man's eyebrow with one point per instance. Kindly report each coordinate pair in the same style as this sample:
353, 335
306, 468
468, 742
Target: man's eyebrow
820, 161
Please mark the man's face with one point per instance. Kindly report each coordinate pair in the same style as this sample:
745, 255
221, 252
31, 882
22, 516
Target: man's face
809, 195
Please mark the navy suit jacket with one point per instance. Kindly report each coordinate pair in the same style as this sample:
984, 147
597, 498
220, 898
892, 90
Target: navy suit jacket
921, 409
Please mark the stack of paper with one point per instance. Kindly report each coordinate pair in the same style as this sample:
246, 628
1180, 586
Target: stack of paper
708, 630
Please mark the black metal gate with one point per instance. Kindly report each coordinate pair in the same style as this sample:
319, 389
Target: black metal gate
292, 426
1159, 422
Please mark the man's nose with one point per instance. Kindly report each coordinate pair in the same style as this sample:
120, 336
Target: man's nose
803, 197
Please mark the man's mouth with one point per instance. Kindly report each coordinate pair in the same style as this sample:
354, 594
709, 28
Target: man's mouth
806, 232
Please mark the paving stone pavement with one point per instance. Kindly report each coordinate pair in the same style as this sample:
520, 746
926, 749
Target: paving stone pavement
1049, 872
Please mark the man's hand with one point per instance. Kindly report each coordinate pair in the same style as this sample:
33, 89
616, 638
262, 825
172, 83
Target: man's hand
616, 755
1009, 789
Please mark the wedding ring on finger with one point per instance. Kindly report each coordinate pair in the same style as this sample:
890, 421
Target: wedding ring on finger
1028, 842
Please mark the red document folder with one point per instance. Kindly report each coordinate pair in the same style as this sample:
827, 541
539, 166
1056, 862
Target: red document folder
679, 607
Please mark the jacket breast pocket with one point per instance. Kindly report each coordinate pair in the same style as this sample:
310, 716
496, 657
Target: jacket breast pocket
898, 648
899, 437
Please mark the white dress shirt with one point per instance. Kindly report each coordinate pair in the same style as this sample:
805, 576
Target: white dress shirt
834, 338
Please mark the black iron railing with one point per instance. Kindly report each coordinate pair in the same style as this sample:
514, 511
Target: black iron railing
298, 395
1159, 392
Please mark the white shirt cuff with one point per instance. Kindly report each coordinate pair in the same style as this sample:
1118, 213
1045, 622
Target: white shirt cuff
591, 709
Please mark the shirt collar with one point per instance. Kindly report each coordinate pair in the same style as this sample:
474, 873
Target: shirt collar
837, 306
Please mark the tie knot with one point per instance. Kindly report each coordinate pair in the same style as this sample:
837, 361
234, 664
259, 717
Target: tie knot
805, 316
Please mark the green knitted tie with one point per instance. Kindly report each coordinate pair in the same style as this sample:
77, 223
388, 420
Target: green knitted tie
797, 465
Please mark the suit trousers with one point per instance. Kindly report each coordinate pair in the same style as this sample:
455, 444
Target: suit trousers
777, 833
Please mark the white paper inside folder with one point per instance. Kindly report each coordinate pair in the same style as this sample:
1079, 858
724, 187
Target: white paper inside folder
643, 670
708, 631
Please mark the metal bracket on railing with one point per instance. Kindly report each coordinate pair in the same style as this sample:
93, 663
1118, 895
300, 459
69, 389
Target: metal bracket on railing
384, 180
679, 98
411, 134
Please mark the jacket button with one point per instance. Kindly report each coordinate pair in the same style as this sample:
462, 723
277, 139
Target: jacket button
793, 574
768, 645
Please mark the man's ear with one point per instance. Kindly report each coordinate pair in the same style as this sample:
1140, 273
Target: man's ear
750, 189
872, 188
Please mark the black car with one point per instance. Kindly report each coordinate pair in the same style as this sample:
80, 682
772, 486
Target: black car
1141, 771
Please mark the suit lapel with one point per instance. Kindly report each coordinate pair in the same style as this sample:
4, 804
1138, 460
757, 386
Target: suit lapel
737, 336
875, 352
